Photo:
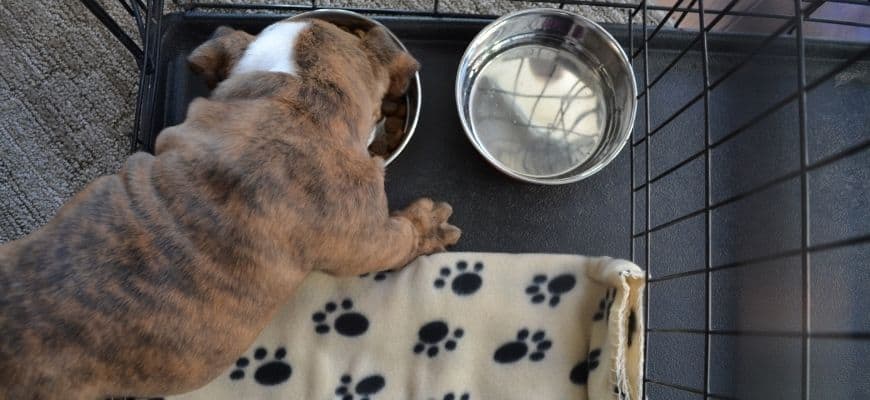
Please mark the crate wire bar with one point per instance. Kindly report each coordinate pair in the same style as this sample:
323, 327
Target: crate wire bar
641, 30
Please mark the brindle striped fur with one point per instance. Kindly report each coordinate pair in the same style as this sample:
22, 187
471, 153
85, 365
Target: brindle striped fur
151, 281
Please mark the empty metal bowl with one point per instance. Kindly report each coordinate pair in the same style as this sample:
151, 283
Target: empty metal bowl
412, 98
546, 96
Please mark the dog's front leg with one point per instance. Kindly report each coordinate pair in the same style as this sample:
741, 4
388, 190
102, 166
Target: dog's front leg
419, 229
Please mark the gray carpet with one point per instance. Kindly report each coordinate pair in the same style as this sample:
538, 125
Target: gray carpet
67, 95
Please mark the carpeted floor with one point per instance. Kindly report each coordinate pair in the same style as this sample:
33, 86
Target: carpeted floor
67, 95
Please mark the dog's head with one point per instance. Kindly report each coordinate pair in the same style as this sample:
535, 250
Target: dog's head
328, 64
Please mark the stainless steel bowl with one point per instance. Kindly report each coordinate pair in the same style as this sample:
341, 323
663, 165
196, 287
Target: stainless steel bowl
413, 98
546, 96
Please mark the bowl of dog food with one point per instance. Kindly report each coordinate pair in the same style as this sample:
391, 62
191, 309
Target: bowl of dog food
399, 115
546, 96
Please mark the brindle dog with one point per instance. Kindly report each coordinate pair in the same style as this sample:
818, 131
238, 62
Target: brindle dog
152, 281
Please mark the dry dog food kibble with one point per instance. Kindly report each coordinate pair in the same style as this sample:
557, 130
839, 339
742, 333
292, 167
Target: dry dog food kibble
388, 139
389, 107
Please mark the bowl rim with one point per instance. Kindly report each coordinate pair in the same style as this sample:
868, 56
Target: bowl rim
624, 134
411, 118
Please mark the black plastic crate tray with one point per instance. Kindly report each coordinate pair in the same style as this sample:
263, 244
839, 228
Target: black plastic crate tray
495, 212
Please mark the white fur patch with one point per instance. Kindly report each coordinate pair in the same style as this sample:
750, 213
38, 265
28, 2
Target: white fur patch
272, 50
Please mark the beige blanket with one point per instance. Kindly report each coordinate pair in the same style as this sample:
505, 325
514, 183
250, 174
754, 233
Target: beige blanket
457, 326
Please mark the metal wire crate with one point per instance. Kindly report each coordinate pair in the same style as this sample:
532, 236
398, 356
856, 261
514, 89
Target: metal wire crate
744, 192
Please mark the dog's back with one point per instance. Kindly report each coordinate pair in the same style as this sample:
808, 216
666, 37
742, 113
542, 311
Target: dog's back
123, 286
146, 280
55, 287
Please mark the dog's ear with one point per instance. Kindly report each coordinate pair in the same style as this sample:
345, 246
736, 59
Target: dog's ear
402, 71
215, 58
400, 65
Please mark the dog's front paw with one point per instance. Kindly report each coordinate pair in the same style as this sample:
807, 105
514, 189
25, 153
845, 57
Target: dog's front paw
429, 218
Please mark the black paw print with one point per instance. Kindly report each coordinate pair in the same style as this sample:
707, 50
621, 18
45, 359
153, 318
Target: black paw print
432, 334
379, 276
365, 388
268, 373
555, 287
580, 372
604, 305
348, 322
466, 282
451, 396
516, 350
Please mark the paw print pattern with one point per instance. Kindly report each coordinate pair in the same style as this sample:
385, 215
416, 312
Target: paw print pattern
364, 389
451, 396
580, 372
432, 334
378, 276
269, 373
465, 282
604, 305
556, 287
347, 323
514, 351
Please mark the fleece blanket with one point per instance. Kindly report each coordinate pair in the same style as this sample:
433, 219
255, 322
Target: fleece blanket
452, 326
